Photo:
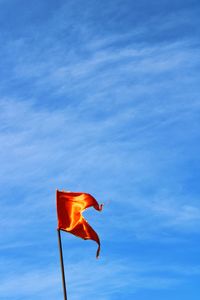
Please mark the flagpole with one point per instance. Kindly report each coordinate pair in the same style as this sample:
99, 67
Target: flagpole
62, 265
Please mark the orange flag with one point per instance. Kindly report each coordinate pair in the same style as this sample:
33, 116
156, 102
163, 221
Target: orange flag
70, 206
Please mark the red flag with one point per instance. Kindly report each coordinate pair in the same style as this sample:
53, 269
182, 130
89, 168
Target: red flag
70, 206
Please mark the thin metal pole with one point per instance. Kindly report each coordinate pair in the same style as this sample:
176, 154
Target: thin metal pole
62, 265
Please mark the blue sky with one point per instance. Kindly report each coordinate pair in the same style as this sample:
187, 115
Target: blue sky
101, 97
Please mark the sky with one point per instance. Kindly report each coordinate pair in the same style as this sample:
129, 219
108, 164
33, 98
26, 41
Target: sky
100, 97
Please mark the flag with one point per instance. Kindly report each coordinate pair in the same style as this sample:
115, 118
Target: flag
70, 206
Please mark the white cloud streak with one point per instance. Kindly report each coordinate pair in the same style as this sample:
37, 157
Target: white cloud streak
98, 279
125, 125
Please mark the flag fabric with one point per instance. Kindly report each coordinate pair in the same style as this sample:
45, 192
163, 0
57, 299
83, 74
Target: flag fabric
70, 206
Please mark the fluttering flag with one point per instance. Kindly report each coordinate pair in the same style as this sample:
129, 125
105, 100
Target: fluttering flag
70, 206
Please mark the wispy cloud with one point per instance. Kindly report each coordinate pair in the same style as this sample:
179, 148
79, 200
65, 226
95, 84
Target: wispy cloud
88, 105
39, 284
100, 280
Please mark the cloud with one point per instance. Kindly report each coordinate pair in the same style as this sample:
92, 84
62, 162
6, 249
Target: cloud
39, 284
47, 149
99, 279
110, 112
